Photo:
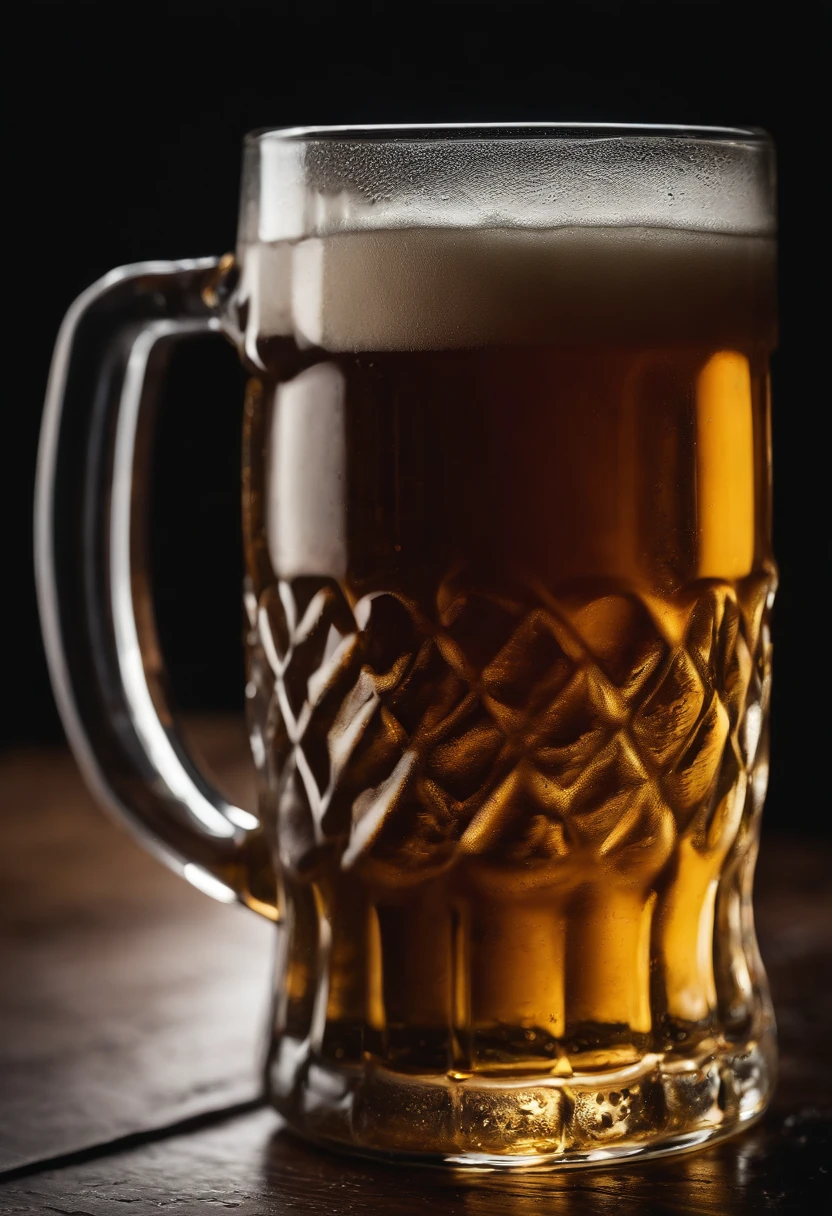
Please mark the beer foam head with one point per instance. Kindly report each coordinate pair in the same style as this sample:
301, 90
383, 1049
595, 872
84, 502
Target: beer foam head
434, 289
406, 241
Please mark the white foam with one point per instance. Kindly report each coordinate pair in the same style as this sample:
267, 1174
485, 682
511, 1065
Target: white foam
433, 289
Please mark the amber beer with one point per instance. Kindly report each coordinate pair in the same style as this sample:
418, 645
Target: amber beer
507, 538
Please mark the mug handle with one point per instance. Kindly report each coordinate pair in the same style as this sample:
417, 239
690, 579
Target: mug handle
92, 578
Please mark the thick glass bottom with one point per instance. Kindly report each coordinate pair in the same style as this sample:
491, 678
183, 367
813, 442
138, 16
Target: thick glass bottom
661, 1104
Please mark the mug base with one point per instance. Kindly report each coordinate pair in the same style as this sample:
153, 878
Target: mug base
660, 1105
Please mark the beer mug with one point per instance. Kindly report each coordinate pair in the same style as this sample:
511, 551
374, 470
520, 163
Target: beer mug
508, 581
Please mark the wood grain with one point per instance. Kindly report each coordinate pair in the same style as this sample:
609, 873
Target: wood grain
129, 1000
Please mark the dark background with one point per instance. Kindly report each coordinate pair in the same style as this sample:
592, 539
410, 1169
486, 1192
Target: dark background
127, 147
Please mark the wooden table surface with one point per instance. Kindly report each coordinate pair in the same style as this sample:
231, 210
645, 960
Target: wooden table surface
132, 1011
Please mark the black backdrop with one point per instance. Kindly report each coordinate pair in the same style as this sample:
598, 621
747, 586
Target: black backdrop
126, 146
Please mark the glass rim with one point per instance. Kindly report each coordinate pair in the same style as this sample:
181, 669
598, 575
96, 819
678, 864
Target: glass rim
483, 132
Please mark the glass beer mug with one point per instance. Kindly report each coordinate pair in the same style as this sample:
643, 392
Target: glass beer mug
506, 513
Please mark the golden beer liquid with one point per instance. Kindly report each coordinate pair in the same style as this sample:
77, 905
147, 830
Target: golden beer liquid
509, 689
